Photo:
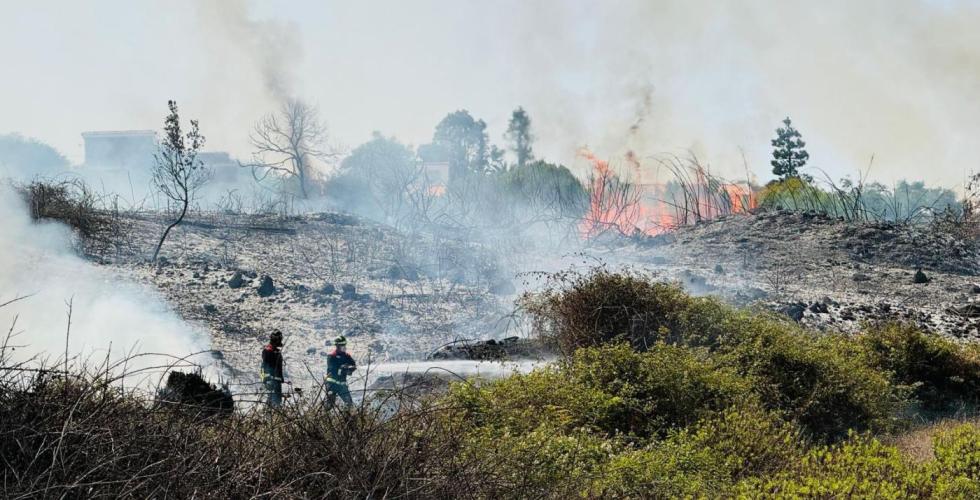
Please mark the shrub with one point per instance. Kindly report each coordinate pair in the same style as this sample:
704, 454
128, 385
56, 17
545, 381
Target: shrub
821, 382
544, 462
612, 390
675, 468
751, 441
604, 307
71, 203
958, 452
940, 371
860, 467
86, 437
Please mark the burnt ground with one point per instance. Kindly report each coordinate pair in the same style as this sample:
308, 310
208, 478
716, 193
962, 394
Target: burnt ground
394, 296
403, 296
824, 272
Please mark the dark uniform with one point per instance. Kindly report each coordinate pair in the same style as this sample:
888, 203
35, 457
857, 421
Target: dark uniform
339, 366
271, 374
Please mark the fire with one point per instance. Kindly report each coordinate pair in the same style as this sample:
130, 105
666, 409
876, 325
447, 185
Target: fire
630, 205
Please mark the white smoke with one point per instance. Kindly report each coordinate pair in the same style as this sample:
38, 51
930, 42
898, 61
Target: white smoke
37, 262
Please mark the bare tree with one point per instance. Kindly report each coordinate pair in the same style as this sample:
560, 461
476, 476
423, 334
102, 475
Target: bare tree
288, 143
177, 172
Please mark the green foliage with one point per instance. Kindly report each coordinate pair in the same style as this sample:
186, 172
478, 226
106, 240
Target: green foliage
863, 467
377, 178
858, 468
611, 390
547, 190
462, 141
541, 462
957, 463
519, 135
788, 154
604, 307
904, 202
675, 468
822, 382
942, 373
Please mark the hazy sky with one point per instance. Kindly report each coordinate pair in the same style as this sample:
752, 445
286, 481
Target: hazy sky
895, 78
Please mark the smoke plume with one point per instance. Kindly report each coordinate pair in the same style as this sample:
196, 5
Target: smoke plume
37, 261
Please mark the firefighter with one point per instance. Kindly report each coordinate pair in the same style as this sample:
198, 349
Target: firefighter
271, 374
339, 366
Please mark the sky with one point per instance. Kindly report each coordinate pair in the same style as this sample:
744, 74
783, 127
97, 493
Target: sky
896, 80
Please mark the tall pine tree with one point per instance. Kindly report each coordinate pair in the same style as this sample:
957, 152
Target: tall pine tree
788, 155
519, 136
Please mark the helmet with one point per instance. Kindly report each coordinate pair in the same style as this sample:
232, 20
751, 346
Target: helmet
276, 338
341, 341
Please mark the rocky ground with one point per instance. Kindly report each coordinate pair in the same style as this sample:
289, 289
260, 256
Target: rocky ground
824, 272
315, 277
399, 297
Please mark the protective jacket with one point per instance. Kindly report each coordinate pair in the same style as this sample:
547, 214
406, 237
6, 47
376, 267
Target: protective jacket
339, 366
271, 363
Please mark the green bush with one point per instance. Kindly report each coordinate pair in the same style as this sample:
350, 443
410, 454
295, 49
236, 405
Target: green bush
857, 468
603, 307
822, 382
940, 371
958, 453
613, 390
675, 468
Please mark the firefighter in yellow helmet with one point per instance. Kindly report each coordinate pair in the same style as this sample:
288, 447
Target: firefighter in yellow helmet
340, 364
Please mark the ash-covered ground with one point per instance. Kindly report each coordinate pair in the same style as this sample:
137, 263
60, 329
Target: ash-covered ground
824, 272
399, 296
394, 296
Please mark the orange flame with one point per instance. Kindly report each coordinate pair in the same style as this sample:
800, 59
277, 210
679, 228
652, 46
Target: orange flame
647, 209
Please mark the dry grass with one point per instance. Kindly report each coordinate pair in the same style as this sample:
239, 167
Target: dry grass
917, 444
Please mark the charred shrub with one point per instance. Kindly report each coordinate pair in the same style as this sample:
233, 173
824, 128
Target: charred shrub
191, 393
940, 372
69, 202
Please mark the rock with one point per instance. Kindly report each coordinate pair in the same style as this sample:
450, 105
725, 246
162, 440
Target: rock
819, 308
311, 351
236, 280
267, 287
794, 310
210, 309
974, 288
971, 310
328, 289
920, 277
216, 354
406, 272
348, 291
861, 277
719, 269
